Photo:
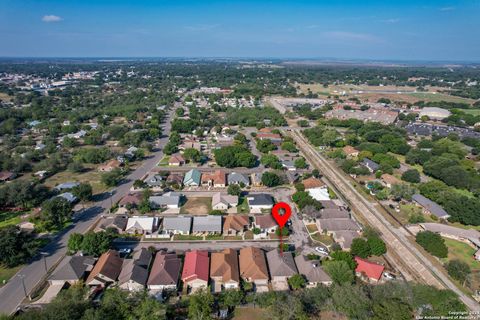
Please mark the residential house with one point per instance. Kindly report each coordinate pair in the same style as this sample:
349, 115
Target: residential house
223, 201
253, 268
370, 165
7, 176
130, 153
110, 166
345, 238
131, 199
142, 257
275, 138
313, 183
259, 202
175, 178
350, 152
388, 180
196, 270
177, 225
71, 270
106, 270
176, 159
133, 277
224, 270
216, 179
235, 224
257, 179
169, 200
207, 225
430, 207
312, 271
281, 266
192, 178
266, 224
165, 272
288, 165
155, 181
368, 271
66, 186
343, 230
141, 225
238, 178
70, 197
337, 213
117, 223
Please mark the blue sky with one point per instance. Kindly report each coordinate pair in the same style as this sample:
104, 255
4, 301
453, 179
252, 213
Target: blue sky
392, 30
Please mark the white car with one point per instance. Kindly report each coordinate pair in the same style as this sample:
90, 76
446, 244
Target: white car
125, 250
389, 276
322, 250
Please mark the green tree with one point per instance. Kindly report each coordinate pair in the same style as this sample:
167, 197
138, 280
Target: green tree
376, 245
411, 175
300, 163
271, 179
234, 190
75, 242
111, 179
96, 243
360, 248
200, 305
458, 270
193, 155
55, 213
231, 298
433, 243
271, 161
17, 246
297, 281
339, 271
83, 191
289, 146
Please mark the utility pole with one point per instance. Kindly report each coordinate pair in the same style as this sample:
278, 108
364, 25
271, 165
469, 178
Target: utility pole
22, 277
44, 255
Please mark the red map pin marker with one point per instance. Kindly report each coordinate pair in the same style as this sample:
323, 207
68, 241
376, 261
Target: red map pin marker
281, 218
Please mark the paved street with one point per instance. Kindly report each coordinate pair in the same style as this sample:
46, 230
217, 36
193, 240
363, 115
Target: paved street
12, 294
407, 255
200, 245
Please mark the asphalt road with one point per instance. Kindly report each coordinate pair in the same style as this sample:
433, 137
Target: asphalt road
407, 255
12, 294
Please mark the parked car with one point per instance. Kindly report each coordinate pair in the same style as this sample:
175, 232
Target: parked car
389, 276
322, 250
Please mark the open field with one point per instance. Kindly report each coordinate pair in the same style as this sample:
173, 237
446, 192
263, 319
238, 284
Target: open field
197, 206
91, 176
463, 252
243, 206
249, 313
5, 97
312, 228
373, 93
10, 218
475, 112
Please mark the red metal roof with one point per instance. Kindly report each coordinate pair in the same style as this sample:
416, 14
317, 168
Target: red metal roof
370, 269
196, 266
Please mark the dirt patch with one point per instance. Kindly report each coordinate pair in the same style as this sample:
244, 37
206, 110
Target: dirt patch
197, 206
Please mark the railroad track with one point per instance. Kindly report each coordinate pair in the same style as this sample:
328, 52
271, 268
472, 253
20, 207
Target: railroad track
404, 254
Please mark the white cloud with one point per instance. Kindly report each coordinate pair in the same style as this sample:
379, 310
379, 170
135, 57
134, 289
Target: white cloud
51, 18
350, 36
393, 20
447, 9
202, 27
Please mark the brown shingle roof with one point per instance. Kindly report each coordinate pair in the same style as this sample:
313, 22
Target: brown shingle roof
253, 264
235, 222
225, 265
265, 221
109, 265
312, 183
165, 269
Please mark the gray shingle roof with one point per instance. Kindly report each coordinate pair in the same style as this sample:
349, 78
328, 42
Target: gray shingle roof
431, 206
73, 268
311, 269
260, 199
281, 265
207, 224
177, 223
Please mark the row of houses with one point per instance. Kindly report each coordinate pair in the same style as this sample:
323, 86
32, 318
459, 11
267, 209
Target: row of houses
221, 270
230, 225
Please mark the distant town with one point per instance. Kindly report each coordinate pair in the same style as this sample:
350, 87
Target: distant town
151, 184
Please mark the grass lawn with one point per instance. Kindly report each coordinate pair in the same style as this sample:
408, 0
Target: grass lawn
475, 112
197, 206
463, 252
186, 237
214, 237
248, 235
324, 239
312, 228
8, 218
250, 313
243, 206
164, 161
7, 273
91, 176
